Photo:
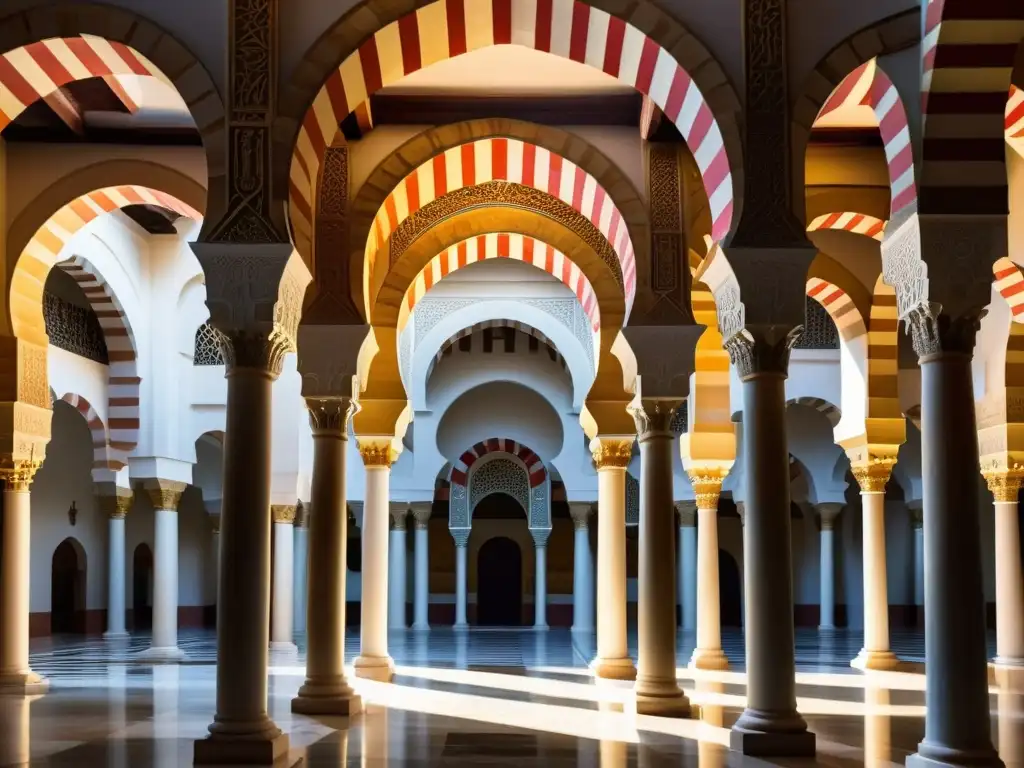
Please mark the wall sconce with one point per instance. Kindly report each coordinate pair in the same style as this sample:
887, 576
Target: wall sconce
73, 513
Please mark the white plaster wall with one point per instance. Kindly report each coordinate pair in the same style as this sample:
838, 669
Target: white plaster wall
71, 374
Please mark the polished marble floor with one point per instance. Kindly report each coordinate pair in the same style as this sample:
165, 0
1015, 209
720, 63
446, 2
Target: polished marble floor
498, 697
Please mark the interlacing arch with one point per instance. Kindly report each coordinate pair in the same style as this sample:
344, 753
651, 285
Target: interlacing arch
503, 245
502, 159
840, 307
448, 28
534, 466
850, 221
29, 279
102, 457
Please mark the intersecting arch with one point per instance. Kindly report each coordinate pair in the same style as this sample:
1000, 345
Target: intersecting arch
574, 30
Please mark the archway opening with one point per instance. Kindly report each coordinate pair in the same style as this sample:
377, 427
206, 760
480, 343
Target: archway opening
729, 590
67, 589
499, 592
142, 588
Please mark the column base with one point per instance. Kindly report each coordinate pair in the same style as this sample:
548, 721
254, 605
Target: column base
23, 684
379, 668
661, 698
614, 669
772, 743
116, 635
941, 757
460, 627
1008, 662
540, 627
168, 654
327, 698
229, 744
283, 646
421, 627
880, 660
709, 658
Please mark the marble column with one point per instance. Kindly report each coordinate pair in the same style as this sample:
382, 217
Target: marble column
708, 653
540, 579
827, 514
957, 720
421, 564
396, 566
165, 495
115, 503
282, 614
373, 661
16, 677
770, 724
611, 457
215, 543
917, 520
461, 536
1005, 487
687, 562
875, 654
582, 568
300, 546
325, 690
657, 689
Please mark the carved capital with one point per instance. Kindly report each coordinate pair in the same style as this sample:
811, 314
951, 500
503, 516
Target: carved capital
827, 514
540, 536
873, 476
687, 511
707, 487
377, 451
653, 417
330, 416
1004, 484
164, 494
664, 358
399, 511
114, 502
283, 513
580, 512
761, 351
421, 511
17, 475
611, 452
461, 536
935, 333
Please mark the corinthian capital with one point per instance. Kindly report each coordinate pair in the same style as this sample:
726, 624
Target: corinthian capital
653, 416
330, 415
611, 452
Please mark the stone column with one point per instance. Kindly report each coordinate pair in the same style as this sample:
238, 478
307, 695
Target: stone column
827, 514
770, 724
957, 723
16, 677
1005, 487
373, 661
283, 616
582, 569
875, 654
115, 503
461, 536
300, 545
687, 511
165, 496
421, 563
215, 526
396, 566
611, 457
657, 689
708, 654
326, 691
917, 520
540, 581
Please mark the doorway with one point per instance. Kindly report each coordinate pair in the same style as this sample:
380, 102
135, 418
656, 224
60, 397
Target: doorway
729, 590
67, 589
142, 588
499, 584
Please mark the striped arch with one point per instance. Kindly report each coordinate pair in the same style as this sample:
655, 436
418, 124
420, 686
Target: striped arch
968, 54
1010, 284
840, 307
534, 466
869, 86
849, 221
101, 454
503, 159
883, 353
448, 28
1014, 119
503, 246
824, 407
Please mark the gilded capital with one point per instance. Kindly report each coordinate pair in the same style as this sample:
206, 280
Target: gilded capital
377, 451
164, 494
707, 487
17, 475
873, 476
1005, 484
611, 452
283, 513
116, 506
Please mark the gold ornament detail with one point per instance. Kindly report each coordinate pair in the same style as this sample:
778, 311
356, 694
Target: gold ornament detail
611, 453
165, 494
283, 513
874, 476
115, 507
377, 452
707, 488
1005, 484
17, 475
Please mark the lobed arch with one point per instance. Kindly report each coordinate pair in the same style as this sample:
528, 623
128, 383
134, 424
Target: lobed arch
586, 33
518, 472
504, 245
534, 466
968, 53
79, 40
500, 160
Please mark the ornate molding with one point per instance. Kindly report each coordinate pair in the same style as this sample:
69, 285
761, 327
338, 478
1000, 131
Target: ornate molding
653, 417
330, 416
461, 536
669, 277
17, 475
611, 452
761, 353
283, 513
935, 333
540, 536
874, 476
1005, 484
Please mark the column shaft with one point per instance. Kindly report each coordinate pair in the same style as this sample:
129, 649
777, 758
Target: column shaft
396, 579
115, 578
708, 654
1009, 586
540, 591
582, 580
165, 584
421, 563
689, 598
373, 661
283, 615
300, 537
460, 586
828, 591
876, 653
919, 572
326, 691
